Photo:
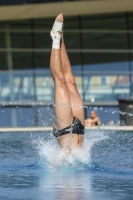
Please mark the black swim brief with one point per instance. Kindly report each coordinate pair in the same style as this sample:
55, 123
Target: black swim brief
76, 128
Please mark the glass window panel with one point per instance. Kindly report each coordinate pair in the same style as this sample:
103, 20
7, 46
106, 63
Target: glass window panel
104, 80
131, 63
71, 22
16, 86
131, 29
104, 40
23, 85
22, 60
2, 25
42, 60
42, 40
46, 23
131, 44
131, 77
116, 86
2, 40
8, 2
21, 40
3, 61
20, 24
131, 40
106, 61
115, 21
75, 60
5, 87
44, 87
130, 17
72, 40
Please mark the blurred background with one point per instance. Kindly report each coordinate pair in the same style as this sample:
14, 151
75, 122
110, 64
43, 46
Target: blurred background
99, 41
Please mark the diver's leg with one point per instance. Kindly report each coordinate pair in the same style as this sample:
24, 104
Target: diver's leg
62, 107
76, 101
63, 111
62, 102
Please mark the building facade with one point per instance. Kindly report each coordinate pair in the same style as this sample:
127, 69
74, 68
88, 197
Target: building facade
98, 40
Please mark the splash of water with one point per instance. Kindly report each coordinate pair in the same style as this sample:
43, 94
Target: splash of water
51, 156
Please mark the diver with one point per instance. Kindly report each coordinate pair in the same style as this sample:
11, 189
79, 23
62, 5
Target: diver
68, 105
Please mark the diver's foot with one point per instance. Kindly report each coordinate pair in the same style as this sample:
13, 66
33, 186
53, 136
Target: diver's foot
56, 32
58, 24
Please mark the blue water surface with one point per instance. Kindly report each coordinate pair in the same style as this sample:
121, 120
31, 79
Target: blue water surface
33, 168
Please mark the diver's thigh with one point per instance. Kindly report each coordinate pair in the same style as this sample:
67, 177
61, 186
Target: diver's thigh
63, 110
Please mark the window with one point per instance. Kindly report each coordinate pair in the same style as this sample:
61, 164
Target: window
104, 80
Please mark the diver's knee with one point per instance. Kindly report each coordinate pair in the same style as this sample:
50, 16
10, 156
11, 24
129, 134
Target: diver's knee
71, 84
60, 79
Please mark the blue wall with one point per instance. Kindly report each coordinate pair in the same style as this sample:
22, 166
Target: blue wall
44, 116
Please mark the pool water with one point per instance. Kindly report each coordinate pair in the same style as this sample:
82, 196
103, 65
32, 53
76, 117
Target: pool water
33, 168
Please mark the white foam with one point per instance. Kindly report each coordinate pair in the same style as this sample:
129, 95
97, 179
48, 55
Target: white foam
52, 156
